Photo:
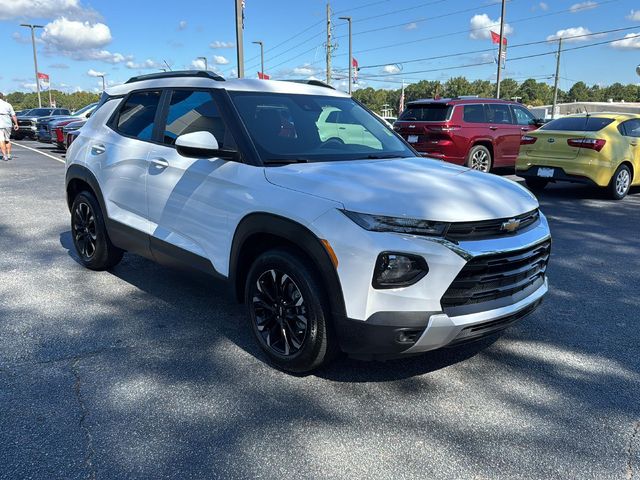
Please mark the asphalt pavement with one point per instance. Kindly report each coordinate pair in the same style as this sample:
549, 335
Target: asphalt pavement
151, 373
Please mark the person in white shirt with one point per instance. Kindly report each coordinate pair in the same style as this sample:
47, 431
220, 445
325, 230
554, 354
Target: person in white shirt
7, 118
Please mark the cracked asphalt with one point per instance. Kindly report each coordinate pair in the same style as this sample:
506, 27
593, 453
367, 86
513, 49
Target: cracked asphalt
147, 372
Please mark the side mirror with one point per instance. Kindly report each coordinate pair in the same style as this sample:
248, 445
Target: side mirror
202, 145
538, 122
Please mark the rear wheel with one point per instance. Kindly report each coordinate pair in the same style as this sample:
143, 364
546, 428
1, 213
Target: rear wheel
620, 183
535, 183
479, 158
90, 236
288, 311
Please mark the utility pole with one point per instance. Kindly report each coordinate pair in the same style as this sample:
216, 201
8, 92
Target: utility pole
239, 36
555, 83
103, 83
328, 44
259, 42
204, 59
35, 57
500, 51
348, 19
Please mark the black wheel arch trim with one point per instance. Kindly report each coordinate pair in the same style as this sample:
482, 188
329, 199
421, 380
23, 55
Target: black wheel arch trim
305, 240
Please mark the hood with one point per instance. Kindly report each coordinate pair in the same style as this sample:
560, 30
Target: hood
411, 187
54, 118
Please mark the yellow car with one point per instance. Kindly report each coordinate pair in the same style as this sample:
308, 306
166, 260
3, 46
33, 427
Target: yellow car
600, 149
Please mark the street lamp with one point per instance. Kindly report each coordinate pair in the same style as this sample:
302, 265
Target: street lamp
204, 59
35, 57
259, 42
348, 19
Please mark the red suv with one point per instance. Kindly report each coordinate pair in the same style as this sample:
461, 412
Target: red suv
481, 133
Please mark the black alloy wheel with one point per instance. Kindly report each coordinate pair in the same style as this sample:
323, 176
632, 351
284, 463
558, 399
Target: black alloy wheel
84, 230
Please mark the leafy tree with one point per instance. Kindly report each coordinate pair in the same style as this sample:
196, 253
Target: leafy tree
508, 89
579, 92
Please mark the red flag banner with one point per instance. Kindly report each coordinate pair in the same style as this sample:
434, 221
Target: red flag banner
263, 76
495, 38
354, 64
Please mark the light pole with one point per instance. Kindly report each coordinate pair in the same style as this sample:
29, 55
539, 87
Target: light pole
35, 56
348, 19
204, 59
259, 42
240, 36
500, 49
103, 85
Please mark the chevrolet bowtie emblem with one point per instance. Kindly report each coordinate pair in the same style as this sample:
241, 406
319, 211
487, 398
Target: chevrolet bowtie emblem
511, 225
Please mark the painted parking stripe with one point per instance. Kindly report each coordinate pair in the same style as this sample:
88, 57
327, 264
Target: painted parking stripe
39, 151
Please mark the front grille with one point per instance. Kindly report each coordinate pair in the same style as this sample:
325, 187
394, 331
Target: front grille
490, 228
490, 277
25, 123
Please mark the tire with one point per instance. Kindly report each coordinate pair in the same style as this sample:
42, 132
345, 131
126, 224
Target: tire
290, 299
479, 158
620, 183
536, 184
90, 237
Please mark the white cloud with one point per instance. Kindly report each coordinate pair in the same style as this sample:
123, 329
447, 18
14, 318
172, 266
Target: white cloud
101, 55
582, 6
29, 86
390, 69
70, 35
630, 41
42, 9
481, 25
221, 44
634, 16
60, 66
567, 33
148, 64
24, 39
220, 60
543, 6
411, 26
305, 69
198, 64
182, 24
93, 73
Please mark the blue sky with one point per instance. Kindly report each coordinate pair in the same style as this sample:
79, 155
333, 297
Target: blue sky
124, 38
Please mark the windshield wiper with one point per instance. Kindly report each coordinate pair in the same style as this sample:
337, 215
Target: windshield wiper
380, 157
285, 161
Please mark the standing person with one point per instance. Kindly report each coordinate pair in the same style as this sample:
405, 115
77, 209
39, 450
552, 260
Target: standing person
7, 117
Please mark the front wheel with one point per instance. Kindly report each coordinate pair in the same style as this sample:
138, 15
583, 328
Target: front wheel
620, 183
90, 236
288, 311
479, 158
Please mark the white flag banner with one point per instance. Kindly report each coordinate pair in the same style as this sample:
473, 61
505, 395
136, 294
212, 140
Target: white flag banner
43, 80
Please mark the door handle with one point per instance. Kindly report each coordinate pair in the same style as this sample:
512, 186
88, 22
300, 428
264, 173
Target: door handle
633, 144
160, 163
524, 129
493, 128
342, 128
98, 149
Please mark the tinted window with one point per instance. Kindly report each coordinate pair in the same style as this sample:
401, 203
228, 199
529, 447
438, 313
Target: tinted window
137, 115
434, 112
194, 111
40, 112
474, 114
630, 128
498, 113
523, 116
289, 127
577, 124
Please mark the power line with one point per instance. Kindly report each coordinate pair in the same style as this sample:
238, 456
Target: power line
437, 57
393, 12
471, 30
360, 7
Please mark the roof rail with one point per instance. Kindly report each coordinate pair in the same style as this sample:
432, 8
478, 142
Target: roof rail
315, 83
176, 74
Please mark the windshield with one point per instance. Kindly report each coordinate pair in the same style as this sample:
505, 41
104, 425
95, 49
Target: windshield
577, 124
84, 109
40, 112
313, 128
429, 112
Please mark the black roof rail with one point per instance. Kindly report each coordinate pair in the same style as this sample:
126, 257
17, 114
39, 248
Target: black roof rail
315, 83
177, 74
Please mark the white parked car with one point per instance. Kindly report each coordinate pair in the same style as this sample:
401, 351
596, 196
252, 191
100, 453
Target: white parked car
333, 242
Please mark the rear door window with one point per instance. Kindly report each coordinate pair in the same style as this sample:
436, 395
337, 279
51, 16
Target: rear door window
137, 116
434, 112
474, 113
499, 114
577, 124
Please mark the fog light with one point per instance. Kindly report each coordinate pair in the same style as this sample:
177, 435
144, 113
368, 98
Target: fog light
394, 270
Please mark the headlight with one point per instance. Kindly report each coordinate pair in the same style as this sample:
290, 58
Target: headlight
394, 270
380, 223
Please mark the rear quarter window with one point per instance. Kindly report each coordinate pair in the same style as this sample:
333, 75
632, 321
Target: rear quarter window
474, 113
577, 124
426, 113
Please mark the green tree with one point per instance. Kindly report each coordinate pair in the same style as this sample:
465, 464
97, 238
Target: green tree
579, 92
508, 89
456, 87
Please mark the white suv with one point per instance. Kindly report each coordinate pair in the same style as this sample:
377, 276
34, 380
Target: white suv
334, 242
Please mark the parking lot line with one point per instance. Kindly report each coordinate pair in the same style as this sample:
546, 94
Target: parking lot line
39, 151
